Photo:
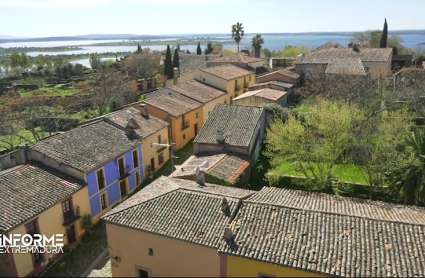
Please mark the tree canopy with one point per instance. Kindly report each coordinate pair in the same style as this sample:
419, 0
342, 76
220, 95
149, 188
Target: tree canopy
237, 33
256, 43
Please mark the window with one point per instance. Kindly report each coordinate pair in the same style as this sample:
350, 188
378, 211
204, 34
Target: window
184, 136
138, 178
103, 201
121, 166
100, 179
250, 78
225, 101
150, 252
143, 273
31, 228
123, 188
136, 158
159, 139
37, 258
161, 159
197, 115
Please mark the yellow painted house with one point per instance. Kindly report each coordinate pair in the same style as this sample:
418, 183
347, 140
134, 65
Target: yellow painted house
208, 95
184, 115
49, 202
176, 227
230, 78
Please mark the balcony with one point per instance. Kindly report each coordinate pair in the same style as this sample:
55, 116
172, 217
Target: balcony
161, 148
71, 216
246, 85
185, 125
237, 87
123, 172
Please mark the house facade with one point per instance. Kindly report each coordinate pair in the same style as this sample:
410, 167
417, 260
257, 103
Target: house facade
49, 203
203, 93
230, 78
105, 156
268, 233
150, 130
184, 115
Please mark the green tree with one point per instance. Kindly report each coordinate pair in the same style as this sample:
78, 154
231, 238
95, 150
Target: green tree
95, 62
178, 47
314, 142
237, 33
139, 48
176, 59
384, 36
198, 49
15, 59
168, 64
408, 183
42, 61
208, 49
256, 43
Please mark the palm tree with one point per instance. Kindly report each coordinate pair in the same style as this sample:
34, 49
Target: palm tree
237, 33
257, 41
409, 182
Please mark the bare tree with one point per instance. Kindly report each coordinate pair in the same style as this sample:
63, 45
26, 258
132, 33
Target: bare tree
143, 65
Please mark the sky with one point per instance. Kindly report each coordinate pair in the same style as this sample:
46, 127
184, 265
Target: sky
44, 18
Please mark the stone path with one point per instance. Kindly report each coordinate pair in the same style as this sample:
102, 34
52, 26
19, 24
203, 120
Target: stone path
104, 253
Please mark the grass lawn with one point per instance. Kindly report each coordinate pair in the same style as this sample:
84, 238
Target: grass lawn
345, 172
17, 141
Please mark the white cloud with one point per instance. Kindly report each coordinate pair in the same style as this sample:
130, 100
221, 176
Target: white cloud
94, 3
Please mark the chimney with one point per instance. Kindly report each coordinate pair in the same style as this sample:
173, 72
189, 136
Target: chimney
144, 110
220, 136
200, 176
225, 207
176, 75
228, 235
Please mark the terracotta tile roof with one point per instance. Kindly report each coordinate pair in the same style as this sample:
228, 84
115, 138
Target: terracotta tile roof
329, 45
329, 244
146, 126
271, 84
30, 189
340, 205
224, 166
198, 91
270, 94
236, 58
192, 62
175, 105
87, 147
164, 185
237, 122
283, 72
345, 66
166, 206
227, 72
366, 55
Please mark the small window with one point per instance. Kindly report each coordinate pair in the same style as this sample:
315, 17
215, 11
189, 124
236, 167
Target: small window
159, 139
150, 252
103, 201
197, 115
100, 179
161, 159
136, 158
184, 136
250, 78
225, 101
138, 178
123, 188
203, 79
32, 228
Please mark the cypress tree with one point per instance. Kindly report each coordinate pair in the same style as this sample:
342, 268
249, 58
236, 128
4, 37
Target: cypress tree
178, 47
384, 36
168, 64
139, 49
187, 51
199, 50
176, 60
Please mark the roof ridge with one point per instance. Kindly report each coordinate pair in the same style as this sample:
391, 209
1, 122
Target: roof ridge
332, 213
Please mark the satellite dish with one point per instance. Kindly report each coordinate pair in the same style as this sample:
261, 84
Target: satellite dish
197, 170
205, 164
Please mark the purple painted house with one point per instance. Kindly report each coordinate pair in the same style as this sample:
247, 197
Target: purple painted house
107, 157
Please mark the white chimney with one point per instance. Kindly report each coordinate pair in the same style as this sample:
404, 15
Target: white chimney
200, 176
220, 136
176, 75
144, 110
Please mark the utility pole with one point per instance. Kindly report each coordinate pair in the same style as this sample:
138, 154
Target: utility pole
171, 153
